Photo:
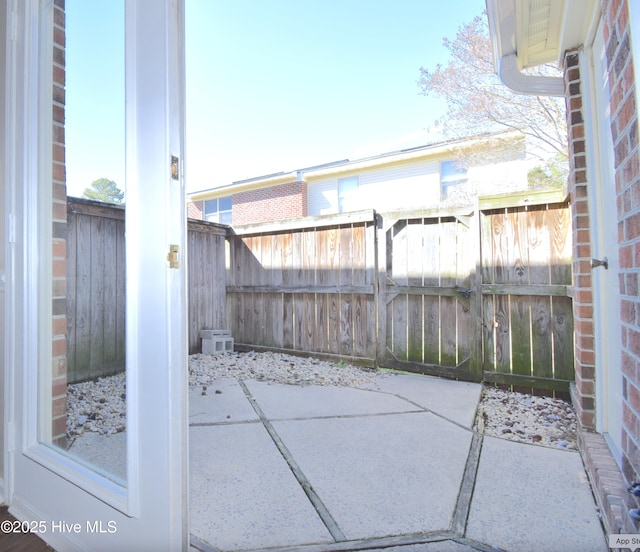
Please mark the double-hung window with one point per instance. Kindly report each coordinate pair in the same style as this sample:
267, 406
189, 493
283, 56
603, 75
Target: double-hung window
218, 210
453, 179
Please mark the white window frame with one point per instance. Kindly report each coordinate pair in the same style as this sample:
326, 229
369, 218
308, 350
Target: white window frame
218, 215
455, 180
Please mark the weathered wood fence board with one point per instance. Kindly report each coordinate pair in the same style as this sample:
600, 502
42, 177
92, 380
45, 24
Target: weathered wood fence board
96, 287
95, 290
207, 275
527, 314
426, 284
311, 287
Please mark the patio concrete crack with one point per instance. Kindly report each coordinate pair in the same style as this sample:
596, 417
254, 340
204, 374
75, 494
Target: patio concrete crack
420, 407
313, 497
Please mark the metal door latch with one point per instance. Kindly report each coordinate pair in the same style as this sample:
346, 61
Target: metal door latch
466, 293
174, 256
595, 263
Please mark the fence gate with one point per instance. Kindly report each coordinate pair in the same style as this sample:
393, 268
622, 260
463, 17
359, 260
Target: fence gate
427, 271
482, 294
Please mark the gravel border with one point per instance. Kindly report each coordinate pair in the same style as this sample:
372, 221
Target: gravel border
527, 418
99, 406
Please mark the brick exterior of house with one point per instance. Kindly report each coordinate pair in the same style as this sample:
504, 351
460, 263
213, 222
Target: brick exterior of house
624, 129
608, 480
195, 210
285, 201
578, 185
59, 253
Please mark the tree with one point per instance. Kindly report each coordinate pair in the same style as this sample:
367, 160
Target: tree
551, 174
478, 103
104, 190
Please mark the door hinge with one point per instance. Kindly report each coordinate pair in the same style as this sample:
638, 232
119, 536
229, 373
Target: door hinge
174, 256
175, 168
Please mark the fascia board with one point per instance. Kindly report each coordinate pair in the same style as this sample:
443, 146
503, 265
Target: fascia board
246, 186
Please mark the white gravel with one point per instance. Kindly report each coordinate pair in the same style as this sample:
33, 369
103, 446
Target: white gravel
96, 406
529, 419
278, 368
99, 406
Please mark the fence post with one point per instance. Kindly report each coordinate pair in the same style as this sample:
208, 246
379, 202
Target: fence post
476, 361
381, 289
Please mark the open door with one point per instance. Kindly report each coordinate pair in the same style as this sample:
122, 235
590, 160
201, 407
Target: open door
606, 263
71, 503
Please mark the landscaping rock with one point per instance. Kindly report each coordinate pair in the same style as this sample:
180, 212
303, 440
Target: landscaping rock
525, 418
99, 406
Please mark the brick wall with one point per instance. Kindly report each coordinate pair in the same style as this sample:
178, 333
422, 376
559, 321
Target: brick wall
59, 193
624, 129
584, 398
608, 481
195, 210
281, 202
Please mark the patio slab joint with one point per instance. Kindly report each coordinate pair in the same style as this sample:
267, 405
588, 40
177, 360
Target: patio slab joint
315, 500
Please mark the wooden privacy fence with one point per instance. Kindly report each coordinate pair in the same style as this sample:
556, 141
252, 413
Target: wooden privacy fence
95, 290
308, 286
96, 286
481, 293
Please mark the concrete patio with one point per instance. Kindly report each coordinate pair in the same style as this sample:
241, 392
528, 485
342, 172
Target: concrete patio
396, 467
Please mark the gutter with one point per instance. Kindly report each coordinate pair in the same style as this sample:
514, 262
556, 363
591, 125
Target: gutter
533, 85
503, 17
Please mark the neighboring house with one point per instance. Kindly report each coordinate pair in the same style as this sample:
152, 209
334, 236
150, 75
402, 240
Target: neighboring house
597, 45
420, 177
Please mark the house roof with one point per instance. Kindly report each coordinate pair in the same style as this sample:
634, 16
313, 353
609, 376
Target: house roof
528, 33
341, 166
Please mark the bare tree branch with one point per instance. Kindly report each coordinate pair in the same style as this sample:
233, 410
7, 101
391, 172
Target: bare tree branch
478, 103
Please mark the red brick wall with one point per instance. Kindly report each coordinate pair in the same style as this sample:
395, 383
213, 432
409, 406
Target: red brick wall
583, 294
624, 129
195, 210
608, 481
59, 192
281, 202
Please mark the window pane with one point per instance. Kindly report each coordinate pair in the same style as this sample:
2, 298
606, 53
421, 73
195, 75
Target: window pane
451, 171
225, 203
225, 217
210, 206
90, 358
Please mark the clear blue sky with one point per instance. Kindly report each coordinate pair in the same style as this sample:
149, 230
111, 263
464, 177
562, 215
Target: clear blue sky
272, 85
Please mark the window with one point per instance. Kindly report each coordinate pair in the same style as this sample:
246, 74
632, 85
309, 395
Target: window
453, 179
347, 188
218, 210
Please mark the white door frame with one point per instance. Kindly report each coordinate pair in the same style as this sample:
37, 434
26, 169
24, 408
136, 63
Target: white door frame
42, 484
603, 222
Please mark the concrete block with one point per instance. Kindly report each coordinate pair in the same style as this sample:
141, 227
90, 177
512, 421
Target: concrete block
216, 341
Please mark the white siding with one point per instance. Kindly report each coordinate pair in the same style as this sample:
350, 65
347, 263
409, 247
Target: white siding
500, 177
413, 184
322, 197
